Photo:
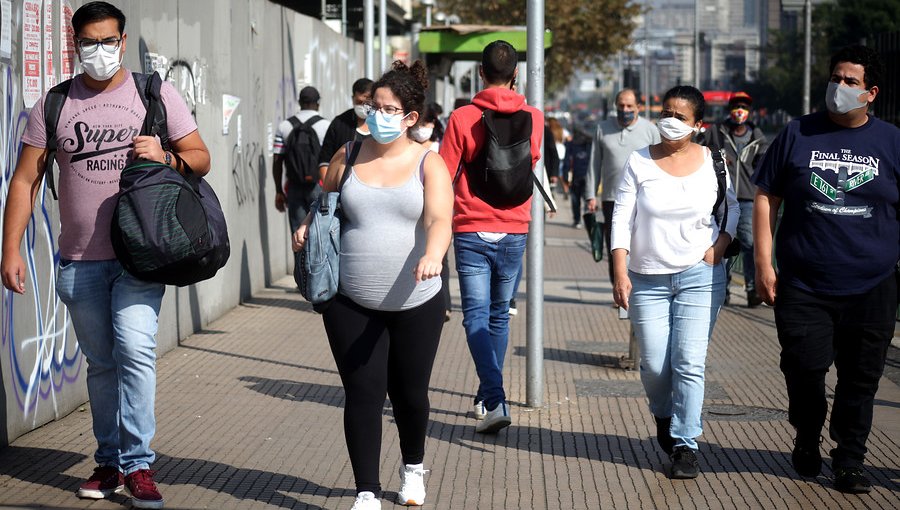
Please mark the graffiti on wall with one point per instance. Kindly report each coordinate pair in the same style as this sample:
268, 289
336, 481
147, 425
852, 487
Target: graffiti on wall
187, 77
43, 356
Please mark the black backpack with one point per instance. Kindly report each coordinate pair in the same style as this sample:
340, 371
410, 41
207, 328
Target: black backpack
502, 174
167, 227
734, 248
301, 157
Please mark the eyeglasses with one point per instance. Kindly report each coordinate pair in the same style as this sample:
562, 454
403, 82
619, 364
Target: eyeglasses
89, 46
387, 109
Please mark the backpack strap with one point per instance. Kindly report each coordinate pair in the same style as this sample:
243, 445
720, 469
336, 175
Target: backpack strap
53, 105
155, 122
719, 166
312, 121
295, 122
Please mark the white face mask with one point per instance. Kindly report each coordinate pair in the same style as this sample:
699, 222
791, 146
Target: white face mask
421, 134
840, 99
673, 129
101, 65
360, 111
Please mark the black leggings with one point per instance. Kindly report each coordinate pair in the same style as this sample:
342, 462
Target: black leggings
380, 352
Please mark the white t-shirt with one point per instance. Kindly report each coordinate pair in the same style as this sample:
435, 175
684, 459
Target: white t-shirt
285, 128
666, 222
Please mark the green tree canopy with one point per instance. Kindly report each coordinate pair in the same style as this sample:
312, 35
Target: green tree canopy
835, 25
585, 32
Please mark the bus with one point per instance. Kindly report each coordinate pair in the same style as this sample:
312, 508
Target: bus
716, 106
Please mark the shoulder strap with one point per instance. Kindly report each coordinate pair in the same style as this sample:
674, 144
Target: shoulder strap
295, 122
312, 121
352, 152
155, 123
719, 166
53, 105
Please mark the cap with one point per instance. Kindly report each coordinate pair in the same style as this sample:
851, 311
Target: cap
309, 95
740, 98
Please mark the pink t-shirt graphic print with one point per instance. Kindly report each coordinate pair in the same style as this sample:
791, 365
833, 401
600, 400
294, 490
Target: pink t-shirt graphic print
94, 140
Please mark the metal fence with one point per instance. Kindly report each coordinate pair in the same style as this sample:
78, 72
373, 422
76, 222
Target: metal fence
887, 105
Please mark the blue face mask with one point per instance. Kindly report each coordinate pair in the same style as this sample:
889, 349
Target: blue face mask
385, 128
625, 118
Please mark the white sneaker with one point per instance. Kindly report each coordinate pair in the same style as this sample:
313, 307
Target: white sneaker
412, 485
480, 411
366, 501
495, 420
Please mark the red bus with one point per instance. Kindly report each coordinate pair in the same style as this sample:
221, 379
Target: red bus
716, 105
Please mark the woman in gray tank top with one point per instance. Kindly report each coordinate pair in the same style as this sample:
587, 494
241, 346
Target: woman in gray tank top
385, 322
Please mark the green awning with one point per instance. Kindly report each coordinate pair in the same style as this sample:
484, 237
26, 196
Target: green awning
465, 42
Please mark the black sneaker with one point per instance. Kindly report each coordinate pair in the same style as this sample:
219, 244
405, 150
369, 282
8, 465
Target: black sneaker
666, 442
851, 481
684, 464
806, 458
753, 299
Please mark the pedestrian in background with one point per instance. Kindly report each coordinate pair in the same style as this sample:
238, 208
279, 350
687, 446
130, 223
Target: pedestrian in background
582, 184
744, 145
614, 142
291, 148
115, 315
385, 322
349, 125
488, 241
837, 174
673, 285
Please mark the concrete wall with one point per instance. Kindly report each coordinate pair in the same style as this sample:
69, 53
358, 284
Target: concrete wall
252, 49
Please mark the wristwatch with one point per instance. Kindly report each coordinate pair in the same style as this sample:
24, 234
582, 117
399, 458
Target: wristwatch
168, 158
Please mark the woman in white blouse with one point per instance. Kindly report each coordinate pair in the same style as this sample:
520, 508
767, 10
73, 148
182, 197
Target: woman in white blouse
667, 259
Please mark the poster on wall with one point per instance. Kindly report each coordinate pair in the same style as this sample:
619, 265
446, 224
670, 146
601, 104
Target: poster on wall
5, 29
31, 52
66, 44
49, 74
229, 105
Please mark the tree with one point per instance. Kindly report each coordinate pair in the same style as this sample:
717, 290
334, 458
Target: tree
835, 25
585, 32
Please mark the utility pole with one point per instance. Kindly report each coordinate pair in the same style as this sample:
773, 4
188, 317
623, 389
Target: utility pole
534, 312
807, 56
369, 37
382, 32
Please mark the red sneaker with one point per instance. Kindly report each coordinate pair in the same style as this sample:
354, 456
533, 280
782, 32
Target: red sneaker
105, 481
144, 493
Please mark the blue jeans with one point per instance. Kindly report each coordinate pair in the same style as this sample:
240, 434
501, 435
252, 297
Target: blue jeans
115, 319
487, 276
745, 236
673, 317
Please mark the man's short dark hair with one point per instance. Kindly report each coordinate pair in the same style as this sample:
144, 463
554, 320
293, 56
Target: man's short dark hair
93, 12
864, 56
362, 86
498, 62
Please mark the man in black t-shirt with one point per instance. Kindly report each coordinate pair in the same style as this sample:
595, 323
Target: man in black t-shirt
348, 126
835, 292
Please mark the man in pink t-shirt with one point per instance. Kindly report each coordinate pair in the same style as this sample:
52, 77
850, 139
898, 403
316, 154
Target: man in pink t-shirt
114, 314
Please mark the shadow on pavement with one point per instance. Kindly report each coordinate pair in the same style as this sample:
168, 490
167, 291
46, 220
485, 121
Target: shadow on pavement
47, 467
576, 357
326, 394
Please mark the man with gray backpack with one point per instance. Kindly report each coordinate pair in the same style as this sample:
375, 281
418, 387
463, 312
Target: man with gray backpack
115, 314
295, 164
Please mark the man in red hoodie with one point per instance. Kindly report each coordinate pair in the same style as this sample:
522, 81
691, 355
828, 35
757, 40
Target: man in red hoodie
488, 241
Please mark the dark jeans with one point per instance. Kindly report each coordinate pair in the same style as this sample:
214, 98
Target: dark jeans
577, 189
608, 207
854, 333
380, 353
298, 200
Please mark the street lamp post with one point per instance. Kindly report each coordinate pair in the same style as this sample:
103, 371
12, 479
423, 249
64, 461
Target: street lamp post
428, 6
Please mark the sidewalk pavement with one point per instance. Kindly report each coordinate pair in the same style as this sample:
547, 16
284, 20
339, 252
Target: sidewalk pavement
250, 416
